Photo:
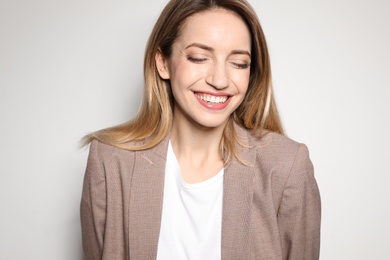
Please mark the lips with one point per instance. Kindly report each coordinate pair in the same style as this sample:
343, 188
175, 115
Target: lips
212, 101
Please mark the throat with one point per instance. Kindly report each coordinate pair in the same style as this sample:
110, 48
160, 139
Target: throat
197, 163
199, 173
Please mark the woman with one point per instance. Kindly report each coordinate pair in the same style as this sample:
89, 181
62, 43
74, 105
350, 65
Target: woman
203, 171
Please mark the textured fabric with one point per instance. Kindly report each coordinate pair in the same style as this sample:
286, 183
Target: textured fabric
191, 217
271, 205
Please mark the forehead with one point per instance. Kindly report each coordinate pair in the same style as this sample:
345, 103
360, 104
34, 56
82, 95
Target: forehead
215, 26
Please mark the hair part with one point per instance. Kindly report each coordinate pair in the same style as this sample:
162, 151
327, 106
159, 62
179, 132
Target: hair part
257, 112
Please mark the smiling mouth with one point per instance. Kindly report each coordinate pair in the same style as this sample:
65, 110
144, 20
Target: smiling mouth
212, 99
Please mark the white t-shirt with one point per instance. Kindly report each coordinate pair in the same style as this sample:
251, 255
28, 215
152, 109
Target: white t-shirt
191, 217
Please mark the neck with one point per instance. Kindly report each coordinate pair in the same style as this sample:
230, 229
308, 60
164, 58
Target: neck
196, 144
197, 148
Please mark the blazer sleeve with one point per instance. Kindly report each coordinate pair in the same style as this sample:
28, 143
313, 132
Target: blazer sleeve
299, 214
93, 205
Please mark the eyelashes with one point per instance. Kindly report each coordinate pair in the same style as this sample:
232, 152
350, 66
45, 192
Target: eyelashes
241, 66
235, 64
195, 60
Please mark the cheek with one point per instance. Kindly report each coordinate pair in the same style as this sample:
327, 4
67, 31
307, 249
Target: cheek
183, 77
183, 72
241, 80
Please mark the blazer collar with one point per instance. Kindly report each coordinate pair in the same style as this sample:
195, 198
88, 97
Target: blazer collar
146, 198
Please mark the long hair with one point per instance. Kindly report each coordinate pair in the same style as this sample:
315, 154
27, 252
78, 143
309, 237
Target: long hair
257, 112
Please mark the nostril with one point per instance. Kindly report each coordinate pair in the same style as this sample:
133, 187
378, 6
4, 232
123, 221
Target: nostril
218, 80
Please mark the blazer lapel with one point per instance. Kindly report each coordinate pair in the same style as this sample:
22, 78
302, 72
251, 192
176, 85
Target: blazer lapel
238, 193
146, 197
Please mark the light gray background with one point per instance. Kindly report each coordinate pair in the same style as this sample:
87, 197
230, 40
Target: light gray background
69, 67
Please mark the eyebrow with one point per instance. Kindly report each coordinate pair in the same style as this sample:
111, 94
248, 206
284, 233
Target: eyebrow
208, 48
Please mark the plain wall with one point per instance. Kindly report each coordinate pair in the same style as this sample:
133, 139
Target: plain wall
71, 67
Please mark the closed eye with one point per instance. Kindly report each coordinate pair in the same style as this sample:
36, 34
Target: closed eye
241, 65
195, 60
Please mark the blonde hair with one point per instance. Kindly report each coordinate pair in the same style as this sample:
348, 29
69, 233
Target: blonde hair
257, 112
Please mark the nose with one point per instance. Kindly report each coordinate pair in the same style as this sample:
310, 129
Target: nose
218, 76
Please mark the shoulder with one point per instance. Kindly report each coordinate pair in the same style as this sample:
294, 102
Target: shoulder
110, 154
273, 147
106, 150
284, 153
278, 158
278, 145
105, 153
281, 163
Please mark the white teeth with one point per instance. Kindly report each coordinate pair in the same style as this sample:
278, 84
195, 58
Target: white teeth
213, 99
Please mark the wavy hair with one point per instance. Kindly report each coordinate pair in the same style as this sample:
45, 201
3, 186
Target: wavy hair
257, 112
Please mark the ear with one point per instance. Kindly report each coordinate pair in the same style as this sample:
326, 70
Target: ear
162, 65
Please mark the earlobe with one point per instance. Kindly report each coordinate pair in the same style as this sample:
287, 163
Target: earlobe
162, 65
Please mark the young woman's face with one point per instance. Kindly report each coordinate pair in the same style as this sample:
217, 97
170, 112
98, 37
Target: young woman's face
209, 68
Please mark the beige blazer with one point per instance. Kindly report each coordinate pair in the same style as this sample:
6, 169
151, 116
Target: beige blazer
271, 209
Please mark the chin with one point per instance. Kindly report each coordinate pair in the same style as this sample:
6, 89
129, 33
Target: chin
212, 123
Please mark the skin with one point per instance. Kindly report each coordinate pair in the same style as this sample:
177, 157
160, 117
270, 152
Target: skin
209, 73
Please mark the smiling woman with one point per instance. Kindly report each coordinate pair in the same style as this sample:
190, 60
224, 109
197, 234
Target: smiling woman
203, 171
208, 83
208, 71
